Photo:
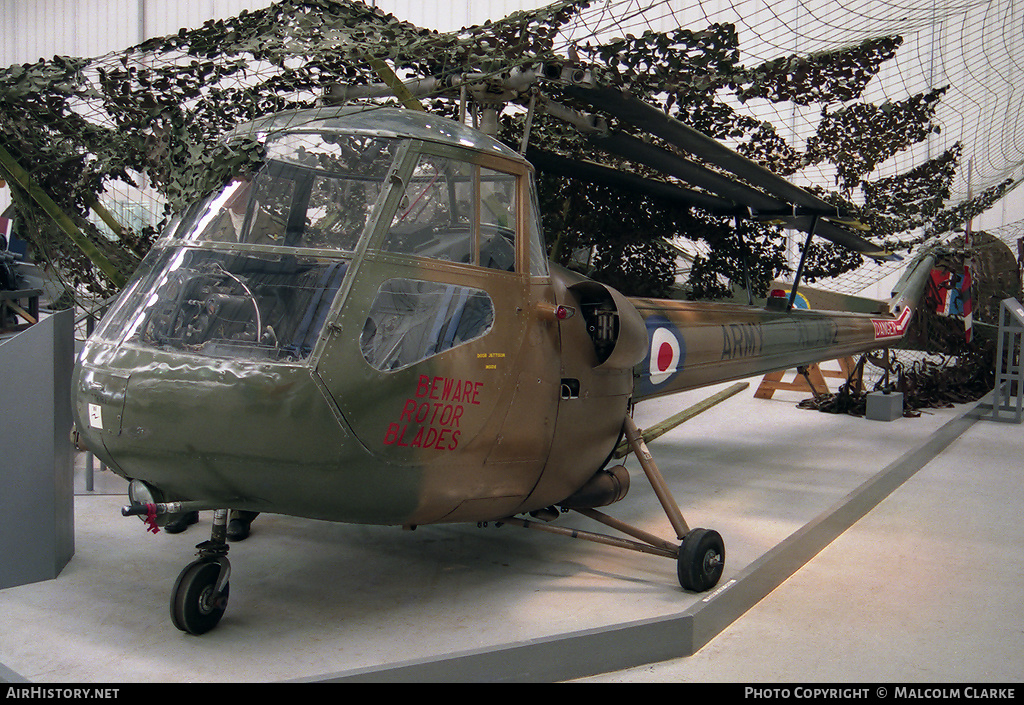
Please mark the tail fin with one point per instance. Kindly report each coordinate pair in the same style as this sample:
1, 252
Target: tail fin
909, 290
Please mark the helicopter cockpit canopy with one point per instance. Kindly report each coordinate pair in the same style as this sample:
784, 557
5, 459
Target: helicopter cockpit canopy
251, 271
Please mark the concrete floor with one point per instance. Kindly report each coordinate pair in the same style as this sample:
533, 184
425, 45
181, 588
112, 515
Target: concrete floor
925, 588
921, 582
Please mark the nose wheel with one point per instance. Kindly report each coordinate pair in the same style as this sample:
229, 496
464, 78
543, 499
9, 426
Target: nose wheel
200, 594
197, 603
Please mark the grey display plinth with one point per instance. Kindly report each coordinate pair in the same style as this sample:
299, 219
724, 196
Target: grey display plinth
884, 406
36, 457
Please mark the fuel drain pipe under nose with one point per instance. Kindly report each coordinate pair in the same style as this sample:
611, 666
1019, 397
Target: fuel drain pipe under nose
149, 511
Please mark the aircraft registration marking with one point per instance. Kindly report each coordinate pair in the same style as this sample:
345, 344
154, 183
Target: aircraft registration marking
752, 339
741, 340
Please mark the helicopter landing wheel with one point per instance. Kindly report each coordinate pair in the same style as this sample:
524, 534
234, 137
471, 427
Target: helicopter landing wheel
701, 560
196, 606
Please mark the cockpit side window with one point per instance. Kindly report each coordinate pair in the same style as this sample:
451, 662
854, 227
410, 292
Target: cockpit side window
538, 252
456, 211
436, 215
497, 220
412, 320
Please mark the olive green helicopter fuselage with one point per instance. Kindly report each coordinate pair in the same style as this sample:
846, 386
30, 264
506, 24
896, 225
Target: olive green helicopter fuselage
367, 330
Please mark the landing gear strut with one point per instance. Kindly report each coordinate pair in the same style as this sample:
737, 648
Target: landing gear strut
700, 558
200, 593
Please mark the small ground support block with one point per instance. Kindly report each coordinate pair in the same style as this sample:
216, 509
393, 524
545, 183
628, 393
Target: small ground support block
884, 406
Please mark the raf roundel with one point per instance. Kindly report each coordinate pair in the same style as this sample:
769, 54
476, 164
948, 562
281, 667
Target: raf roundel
666, 355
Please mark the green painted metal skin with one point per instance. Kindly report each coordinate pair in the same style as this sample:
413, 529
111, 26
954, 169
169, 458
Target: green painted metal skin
363, 331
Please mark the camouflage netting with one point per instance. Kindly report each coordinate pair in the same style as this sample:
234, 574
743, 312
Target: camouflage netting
147, 120
926, 382
99, 152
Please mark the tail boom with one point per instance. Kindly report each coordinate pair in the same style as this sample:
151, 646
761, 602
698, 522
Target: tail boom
694, 344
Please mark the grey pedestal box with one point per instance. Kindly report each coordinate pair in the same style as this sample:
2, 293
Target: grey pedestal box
36, 455
884, 406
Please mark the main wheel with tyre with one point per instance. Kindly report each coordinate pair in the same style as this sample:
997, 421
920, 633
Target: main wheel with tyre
701, 560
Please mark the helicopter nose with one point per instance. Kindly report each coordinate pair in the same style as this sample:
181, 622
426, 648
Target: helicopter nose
98, 402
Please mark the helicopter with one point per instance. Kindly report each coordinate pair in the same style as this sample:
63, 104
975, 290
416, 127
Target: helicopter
366, 329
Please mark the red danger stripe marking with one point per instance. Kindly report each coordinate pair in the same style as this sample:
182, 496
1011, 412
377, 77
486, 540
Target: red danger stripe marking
892, 328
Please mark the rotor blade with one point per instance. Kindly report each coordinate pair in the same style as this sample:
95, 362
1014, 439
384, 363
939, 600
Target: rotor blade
744, 200
691, 172
647, 117
831, 231
782, 195
596, 173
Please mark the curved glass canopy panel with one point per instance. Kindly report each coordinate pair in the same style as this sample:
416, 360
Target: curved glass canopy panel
251, 271
238, 305
311, 192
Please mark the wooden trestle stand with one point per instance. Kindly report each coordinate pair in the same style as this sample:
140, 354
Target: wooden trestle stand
808, 379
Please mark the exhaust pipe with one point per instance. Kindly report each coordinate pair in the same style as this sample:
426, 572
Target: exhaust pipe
605, 487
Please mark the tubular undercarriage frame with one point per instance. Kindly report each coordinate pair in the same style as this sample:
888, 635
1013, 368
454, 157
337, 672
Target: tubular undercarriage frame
646, 542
